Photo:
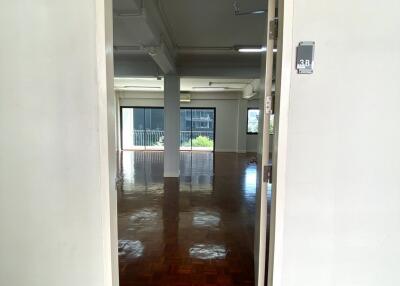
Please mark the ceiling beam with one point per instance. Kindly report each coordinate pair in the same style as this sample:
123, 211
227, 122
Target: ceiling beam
252, 89
163, 58
151, 36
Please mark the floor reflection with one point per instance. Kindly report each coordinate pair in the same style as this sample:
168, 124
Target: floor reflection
128, 249
250, 186
206, 219
195, 230
207, 251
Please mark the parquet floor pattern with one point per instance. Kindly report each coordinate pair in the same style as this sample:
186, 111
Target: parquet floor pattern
193, 231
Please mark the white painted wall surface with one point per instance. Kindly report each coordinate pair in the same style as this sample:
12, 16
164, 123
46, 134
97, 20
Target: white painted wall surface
226, 109
252, 143
54, 149
339, 214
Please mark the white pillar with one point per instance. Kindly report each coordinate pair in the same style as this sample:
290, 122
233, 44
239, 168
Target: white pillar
241, 126
171, 125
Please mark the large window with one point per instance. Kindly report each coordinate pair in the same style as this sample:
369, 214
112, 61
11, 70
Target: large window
142, 128
197, 129
252, 120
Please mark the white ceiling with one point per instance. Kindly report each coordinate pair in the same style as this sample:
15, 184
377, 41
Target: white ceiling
212, 23
199, 37
187, 84
190, 23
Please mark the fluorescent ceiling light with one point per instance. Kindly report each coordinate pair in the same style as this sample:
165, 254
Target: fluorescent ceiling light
138, 87
210, 87
127, 80
258, 12
211, 83
251, 49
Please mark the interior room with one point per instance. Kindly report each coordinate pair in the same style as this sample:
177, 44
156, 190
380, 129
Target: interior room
189, 73
136, 140
207, 218
207, 107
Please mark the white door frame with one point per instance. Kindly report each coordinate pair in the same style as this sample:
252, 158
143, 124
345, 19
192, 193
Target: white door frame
283, 74
108, 138
284, 68
261, 228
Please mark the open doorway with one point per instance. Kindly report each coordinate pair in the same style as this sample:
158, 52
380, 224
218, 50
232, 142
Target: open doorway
198, 225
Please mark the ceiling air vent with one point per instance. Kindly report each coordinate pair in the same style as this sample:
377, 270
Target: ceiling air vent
185, 98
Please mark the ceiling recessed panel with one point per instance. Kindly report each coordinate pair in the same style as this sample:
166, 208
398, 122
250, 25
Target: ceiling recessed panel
213, 23
126, 5
131, 31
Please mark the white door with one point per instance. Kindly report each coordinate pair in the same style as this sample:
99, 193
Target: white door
261, 242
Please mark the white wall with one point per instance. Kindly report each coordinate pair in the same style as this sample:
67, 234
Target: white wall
338, 204
54, 148
227, 112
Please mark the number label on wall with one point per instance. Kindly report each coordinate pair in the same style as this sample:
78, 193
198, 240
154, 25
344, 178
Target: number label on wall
305, 57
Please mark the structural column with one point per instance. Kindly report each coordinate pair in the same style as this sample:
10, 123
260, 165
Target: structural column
171, 127
241, 126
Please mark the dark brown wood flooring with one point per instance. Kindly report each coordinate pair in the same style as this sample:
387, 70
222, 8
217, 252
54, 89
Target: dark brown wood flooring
195, 230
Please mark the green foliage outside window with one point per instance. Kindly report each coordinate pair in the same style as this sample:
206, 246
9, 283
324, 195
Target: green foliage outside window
199, 141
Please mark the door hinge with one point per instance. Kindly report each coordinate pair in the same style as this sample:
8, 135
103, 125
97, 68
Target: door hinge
268, 104
267, 176
273, 29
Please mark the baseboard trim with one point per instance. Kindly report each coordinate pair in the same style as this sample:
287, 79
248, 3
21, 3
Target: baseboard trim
234, 151
226, 150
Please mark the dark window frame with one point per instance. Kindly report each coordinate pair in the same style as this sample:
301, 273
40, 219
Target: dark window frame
162, 107
247, 121
144, 122
191, 125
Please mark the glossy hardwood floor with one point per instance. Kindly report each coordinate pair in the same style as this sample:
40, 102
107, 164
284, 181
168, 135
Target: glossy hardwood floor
195, 230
